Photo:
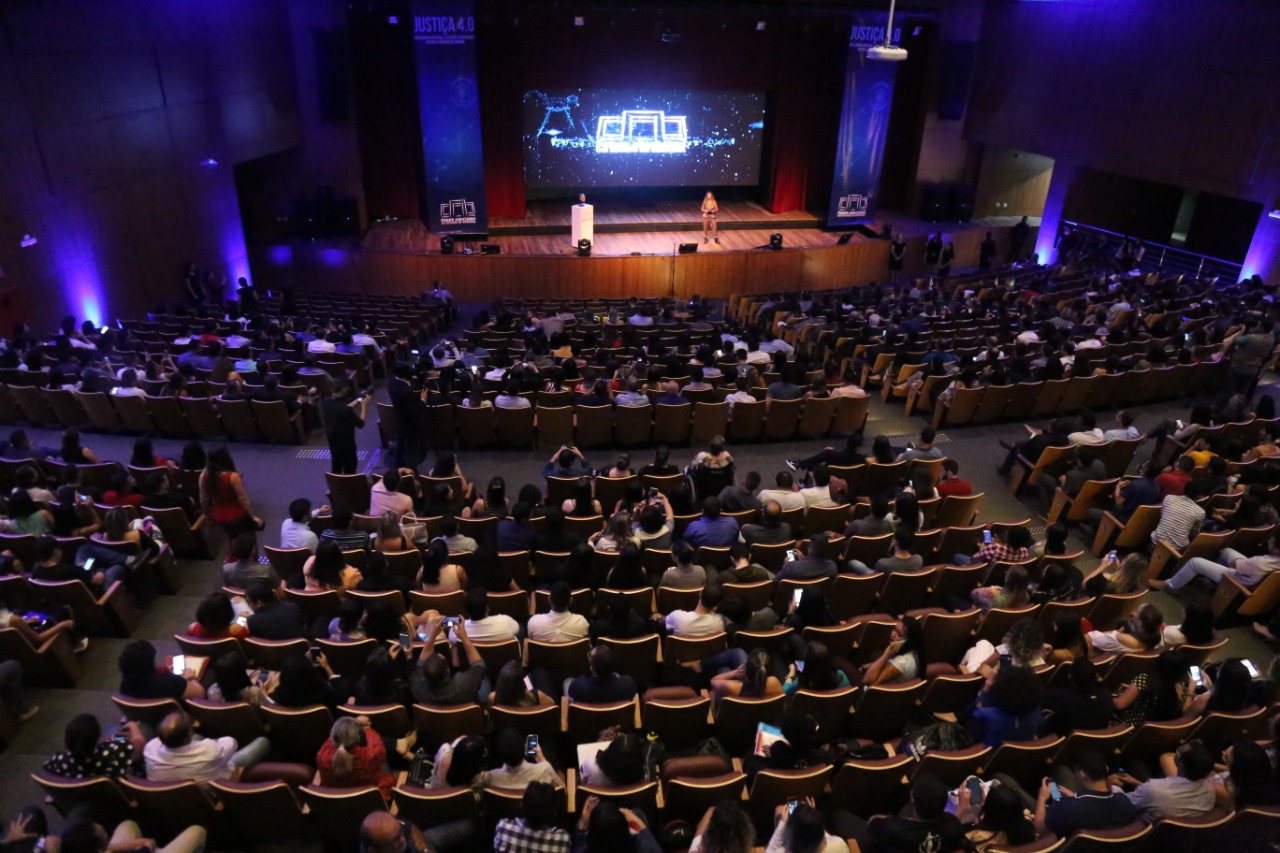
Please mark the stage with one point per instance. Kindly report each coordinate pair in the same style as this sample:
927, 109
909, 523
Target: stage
657, 228
633, 254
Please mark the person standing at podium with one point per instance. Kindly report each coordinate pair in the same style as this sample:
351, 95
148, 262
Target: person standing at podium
709, 211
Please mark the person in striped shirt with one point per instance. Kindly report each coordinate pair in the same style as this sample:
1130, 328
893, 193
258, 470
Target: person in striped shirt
1180, 517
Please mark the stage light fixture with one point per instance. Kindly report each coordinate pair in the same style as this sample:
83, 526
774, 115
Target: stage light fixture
393, 20
28, 241
1275, 214
670, 37
579, 21
584, 247
760, 26
208, 162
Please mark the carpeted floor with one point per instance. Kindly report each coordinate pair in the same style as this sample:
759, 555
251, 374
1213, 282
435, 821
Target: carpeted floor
276, 475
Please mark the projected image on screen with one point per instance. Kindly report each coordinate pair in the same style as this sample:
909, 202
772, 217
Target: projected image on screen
642, 137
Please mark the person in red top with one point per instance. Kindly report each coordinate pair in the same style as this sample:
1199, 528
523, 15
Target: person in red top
951, 484
1174, 481
354, 756
222, 495
216, 619
121, 492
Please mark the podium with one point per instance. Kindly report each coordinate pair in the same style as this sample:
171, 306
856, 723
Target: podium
582, 224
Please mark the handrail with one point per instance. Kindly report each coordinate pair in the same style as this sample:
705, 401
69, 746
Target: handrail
1162, 258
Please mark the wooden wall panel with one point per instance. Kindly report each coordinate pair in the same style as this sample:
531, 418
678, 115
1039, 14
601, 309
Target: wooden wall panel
484, 278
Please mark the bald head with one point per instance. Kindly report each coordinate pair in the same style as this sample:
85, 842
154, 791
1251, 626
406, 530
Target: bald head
671, 387
379, 833
175, 730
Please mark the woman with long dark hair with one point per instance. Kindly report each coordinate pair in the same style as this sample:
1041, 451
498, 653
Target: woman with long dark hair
223, 498
1162, 694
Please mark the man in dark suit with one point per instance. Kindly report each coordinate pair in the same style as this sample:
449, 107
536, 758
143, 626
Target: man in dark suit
411, 410
603, 684
273, 619
1054, 435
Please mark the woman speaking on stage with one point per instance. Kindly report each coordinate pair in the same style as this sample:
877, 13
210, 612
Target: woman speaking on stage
709, 211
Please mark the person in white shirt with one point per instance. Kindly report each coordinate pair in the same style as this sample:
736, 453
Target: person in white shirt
176, 754
772, 344
129, 385
511, 399
819, 494
802, 829
560, 625
296, 532
481, 627
702, 621
1088, 432
1127, 431
740, 394
385, 496
321, 345
785, 493
364, 339
640, 318
517, 771
444, 354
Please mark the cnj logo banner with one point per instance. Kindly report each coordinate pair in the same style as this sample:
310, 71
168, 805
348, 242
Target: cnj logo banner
444, 45
864, 123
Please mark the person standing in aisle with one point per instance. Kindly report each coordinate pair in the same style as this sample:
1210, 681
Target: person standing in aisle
343, 415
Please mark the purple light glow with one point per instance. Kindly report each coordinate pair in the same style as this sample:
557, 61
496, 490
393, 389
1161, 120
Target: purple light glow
1052, 215
84, 292
332, 257
280, 256
234, 253
1263, 257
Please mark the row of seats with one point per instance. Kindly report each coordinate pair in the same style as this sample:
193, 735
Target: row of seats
633, 426
172, 417
1037, 400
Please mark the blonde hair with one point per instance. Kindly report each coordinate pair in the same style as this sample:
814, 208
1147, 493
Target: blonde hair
345, 734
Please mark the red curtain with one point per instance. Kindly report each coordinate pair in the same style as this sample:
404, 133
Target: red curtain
500, 76
809, 81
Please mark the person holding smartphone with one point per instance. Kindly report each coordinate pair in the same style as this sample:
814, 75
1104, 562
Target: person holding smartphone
518, 769
343, 415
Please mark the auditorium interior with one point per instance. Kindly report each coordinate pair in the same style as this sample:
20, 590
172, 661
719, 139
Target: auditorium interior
990, 327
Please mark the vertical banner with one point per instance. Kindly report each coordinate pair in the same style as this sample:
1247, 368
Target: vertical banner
444, 44
864, 123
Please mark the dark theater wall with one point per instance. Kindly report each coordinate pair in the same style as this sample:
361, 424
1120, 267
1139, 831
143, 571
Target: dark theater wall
1178, 92
106, 112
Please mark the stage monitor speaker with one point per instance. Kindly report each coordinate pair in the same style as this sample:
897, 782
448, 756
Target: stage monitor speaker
446, 245
775, 241
933, 202
688, 248
584, 247
490, 249
844, 239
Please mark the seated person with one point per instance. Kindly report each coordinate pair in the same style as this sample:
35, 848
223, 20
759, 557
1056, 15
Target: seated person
243, 567
560, 625
517, 770
177, 754
712, 529
434, 683
273, 619
216, 619
87, 754
684, 574
903, 559
141, 679
603, 683
771, 530
807, 564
